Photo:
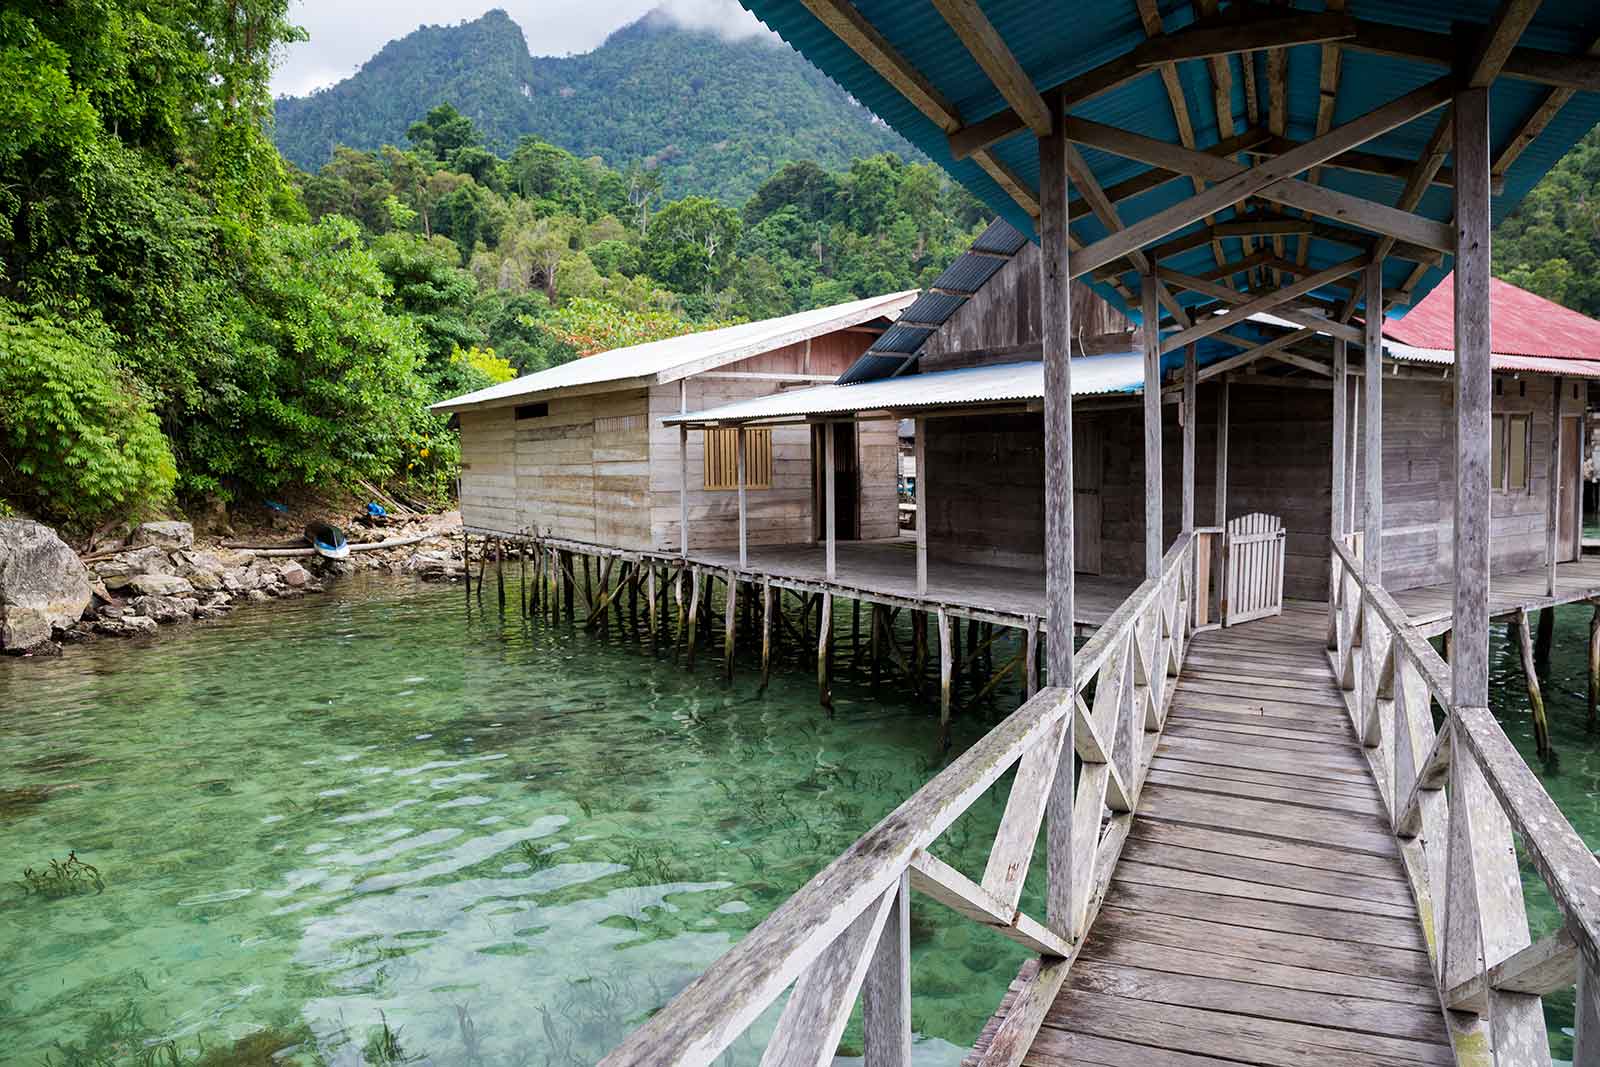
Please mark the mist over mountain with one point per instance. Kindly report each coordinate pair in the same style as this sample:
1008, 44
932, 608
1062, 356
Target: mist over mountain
715, 107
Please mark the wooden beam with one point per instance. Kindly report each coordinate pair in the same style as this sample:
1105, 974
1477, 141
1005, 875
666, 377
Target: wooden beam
830, 504
744, 523
981, 39
1532, 126
1559, 69
1159, 176
1251, 355
1220, 517
1153, 348
1552, 513
1357, 161
1211, 324
1254, 225
1497, 40
1236, 182
1055, 318
1341, 427
1315, 323
861, 37
1205, 41
1078, 171
1469, 658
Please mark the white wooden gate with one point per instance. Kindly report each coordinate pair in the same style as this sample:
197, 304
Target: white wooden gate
1253, 564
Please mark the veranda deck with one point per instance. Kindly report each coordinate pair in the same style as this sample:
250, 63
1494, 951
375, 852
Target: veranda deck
1259, 913
1429, 606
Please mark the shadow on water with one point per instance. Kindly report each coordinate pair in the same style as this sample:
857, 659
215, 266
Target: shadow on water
367, 828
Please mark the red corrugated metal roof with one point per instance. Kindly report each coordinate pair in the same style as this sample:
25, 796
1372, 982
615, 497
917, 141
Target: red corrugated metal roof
1523, 324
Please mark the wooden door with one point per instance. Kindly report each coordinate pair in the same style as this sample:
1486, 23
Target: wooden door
1568, 534
1087, 464
1253, 568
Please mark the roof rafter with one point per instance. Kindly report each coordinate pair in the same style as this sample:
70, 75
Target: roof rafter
1310, 320
981, 39
1263, 302
1209, 38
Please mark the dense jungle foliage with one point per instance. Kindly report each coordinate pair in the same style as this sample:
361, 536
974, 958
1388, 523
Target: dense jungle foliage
186, 317
712, 116
1551, 244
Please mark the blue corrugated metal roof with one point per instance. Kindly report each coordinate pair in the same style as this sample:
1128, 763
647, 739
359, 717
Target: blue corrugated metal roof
1055, 42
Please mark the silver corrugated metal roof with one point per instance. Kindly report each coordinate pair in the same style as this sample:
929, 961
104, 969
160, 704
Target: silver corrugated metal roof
679, 357
1091, 376
1510, 364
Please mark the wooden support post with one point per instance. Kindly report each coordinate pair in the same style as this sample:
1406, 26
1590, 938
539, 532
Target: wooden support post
1373, 540
694, 615
1469, 664
875, 647
683, 469
466, 565
1151, 329
1546, 635
1030, 662
919, 450
500, 573
1341, 428
1353, 439
855, 629
730, 615
1220, 515
522, 578
1055, 335
1552, 513
830, 509
653, 608
946, 678
1530, 673
766, 634
1190, 369
825, 652
1594, 665
588, 587
744, 522
633, 597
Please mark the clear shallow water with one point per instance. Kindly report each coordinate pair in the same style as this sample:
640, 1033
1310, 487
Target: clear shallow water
508, 842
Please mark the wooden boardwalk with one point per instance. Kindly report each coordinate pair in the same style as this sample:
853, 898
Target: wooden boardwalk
1259, 913
1429, 606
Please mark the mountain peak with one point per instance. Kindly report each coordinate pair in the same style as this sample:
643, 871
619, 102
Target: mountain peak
694, 87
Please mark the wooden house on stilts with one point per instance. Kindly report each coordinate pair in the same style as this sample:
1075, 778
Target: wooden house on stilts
1278, 825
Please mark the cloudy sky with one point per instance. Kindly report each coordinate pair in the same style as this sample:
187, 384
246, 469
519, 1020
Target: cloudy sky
345, 33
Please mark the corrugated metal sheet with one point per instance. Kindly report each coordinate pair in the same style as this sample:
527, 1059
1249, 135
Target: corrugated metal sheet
1523, 324
1054, 42
1091, 375
665, 360
1509, 363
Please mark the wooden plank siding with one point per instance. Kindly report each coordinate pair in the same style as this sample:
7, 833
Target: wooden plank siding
601, 468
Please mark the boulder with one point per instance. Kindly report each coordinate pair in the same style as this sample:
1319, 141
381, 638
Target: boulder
165, 608
160, 585
204, 570
43, 585
167, 535
292, 574
118, 571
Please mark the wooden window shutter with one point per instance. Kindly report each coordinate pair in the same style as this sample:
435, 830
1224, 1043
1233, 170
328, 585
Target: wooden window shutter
722, 459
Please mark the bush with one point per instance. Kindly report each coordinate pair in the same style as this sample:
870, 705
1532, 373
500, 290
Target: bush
78, 440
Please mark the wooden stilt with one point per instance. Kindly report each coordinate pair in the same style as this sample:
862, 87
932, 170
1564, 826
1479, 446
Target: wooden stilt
919, 650
946, 678
730, 616
875, 647
483, 566
522, 578
766, 635
1030, 667
466, 564
588, 587
1547, 633
988, 660
825, 652
1530, 671
500, 573
855, 629
570, 584
652, 607
634, 579
1594, 664
694, 613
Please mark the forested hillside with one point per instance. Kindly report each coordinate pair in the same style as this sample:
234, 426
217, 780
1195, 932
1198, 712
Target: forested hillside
714, 117
184, 318
1551, 245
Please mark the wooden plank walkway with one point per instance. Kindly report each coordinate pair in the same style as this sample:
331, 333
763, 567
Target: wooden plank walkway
1429, 606
1259, 913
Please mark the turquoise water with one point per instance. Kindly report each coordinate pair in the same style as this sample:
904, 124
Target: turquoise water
508, 843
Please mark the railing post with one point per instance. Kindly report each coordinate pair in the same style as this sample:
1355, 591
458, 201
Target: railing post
886, 994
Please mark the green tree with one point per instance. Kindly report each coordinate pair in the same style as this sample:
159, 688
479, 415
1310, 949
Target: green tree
690, 243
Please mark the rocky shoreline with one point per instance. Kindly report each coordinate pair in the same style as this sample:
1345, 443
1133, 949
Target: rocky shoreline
159, 575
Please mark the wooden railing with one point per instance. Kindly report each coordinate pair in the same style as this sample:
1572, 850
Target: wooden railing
846, 932
1460, 799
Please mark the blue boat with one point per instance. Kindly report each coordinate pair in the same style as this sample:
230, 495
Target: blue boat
327, 539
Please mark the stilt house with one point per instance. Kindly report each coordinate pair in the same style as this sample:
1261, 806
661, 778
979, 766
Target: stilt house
579, 452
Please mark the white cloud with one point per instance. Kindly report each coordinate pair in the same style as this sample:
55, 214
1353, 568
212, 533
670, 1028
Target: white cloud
346, 33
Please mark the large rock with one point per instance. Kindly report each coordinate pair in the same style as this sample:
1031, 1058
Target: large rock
165, 608
168, 535
42, 584
160, 585
118, 571
292, 574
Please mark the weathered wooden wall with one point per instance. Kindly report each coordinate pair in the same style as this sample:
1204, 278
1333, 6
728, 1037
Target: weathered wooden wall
601, 468
984, 482
1004, 315
1419, 480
